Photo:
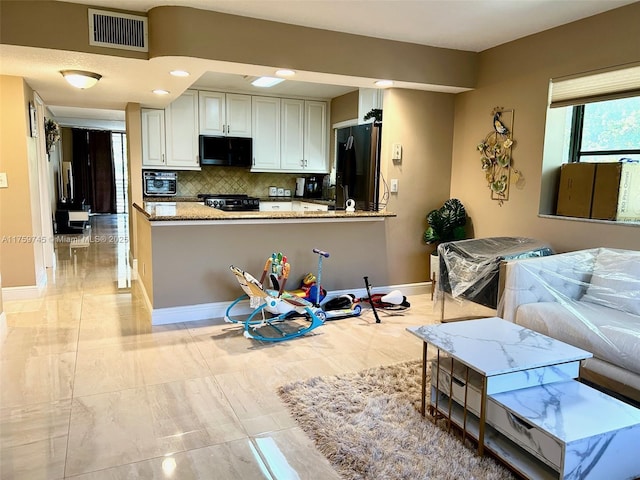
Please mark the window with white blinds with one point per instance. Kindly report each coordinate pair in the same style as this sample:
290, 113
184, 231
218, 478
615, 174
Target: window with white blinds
598, 86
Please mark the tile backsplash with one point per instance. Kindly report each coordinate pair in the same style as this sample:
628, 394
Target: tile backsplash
232, 180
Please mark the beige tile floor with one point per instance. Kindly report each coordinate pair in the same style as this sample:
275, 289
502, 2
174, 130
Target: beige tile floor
90, 390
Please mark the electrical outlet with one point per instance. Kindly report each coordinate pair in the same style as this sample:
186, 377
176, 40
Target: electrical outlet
397, 152
3, 180
394, 185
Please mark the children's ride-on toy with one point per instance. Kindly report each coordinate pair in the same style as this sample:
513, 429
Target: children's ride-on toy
274, 309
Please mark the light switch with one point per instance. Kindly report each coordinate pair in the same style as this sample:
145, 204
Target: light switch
397, 152
394, 185
3, 180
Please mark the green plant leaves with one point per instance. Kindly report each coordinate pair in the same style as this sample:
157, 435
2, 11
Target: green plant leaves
447, 223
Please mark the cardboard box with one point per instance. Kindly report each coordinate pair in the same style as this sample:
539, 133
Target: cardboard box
576, 189
616, 192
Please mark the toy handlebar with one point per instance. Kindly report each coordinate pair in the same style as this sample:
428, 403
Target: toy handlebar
321, 252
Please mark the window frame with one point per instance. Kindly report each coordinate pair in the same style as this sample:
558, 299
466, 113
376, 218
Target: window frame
575, 139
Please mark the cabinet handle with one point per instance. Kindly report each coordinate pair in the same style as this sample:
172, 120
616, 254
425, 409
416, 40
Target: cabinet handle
519, 421
275, 207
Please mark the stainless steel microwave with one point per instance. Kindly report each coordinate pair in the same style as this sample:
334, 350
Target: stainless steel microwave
226, 151
159, 184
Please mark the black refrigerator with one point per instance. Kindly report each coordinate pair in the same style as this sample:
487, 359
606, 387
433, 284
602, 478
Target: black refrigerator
358, 166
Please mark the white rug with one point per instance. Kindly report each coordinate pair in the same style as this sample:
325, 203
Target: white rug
369, 427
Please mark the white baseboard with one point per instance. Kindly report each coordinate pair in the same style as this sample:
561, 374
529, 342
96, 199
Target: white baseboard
134, 269
3, 328
28, 292
217, 310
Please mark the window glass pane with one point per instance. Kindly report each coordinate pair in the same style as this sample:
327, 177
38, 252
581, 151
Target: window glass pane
612, 125
609, 158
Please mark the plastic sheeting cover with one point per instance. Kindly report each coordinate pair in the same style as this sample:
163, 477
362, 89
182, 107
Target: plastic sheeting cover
469, 269
589, 299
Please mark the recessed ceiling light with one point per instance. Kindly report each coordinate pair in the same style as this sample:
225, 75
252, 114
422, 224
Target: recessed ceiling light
266, 82
285, 72
384, 83
159, 91
80, 78
179, 73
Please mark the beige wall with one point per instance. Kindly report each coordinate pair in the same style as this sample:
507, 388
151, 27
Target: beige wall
133, 121
19, 262
218, 36
516, 75
197, 272
144, 252
343, 108
48, 24
422, 122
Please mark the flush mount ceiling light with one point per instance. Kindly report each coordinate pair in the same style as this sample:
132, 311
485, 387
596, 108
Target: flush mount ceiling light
384, 83
80, 78
179, 73
285, 72
160, 91
266, 82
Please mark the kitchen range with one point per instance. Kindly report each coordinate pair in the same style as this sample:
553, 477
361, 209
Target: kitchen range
231, 202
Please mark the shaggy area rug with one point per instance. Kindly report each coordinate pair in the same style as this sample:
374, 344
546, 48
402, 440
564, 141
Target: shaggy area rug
369, 426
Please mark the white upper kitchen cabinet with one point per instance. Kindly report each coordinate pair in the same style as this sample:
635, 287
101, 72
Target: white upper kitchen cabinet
315, 137
266, 134
224, 114
153, 141
292, 137
304, 136
181, 119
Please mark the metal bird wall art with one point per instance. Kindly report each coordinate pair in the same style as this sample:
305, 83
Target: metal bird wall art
496, 161
498, 126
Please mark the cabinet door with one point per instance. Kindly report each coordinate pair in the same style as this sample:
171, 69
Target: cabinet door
211, 113
181, 118
238, 115
315, 137
292, 143
266, 133
153, 147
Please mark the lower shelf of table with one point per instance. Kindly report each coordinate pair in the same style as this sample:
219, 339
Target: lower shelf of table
510, 453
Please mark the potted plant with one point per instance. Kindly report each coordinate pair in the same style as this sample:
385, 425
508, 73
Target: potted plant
52, 134
446, 224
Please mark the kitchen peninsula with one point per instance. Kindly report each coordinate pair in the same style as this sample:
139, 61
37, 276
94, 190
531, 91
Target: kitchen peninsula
185, 250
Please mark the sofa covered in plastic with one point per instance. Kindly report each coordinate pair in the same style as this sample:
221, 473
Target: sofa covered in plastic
469, 269
589, 299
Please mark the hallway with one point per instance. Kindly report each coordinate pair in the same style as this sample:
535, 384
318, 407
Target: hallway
90, 390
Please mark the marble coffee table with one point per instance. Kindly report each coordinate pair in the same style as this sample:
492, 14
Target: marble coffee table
513, 391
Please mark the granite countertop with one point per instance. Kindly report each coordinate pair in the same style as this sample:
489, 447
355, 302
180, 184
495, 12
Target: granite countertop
189, 210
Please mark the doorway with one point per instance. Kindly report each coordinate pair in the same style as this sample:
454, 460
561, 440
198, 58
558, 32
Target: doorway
99, 170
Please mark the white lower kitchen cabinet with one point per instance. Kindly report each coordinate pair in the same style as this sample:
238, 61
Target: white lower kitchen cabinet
276, 206
308, 207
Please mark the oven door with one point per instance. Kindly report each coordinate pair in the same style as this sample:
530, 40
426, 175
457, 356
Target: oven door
160, 184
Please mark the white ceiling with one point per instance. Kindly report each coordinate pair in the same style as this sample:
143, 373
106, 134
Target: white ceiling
460, 24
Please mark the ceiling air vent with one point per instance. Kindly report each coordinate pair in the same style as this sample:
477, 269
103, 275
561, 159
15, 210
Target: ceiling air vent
118, 30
